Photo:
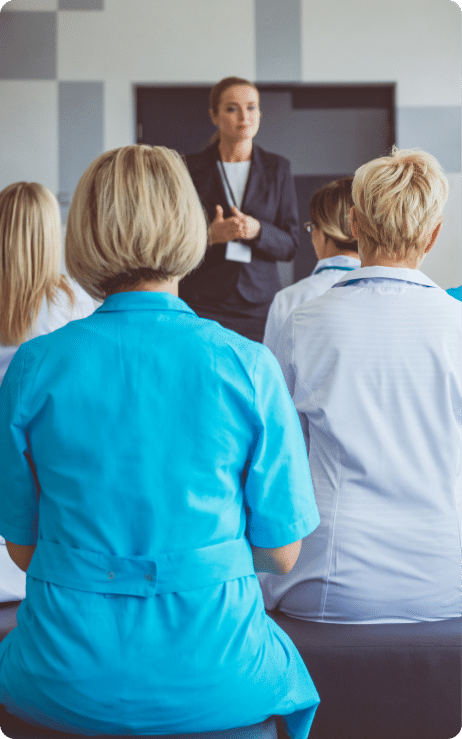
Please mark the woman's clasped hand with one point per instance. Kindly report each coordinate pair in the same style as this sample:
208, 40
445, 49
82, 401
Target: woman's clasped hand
238, 226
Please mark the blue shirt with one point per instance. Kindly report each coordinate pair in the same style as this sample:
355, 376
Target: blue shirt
374, 367
161, 444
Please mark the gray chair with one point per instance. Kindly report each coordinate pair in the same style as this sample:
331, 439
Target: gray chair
387, 681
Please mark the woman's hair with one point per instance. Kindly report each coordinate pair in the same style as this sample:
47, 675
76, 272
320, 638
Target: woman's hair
217, 91
399, 201
30, 238
330, 212
135, 216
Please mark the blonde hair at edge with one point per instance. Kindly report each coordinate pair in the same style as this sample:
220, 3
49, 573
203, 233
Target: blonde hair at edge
30, 236
135, 216
399, 201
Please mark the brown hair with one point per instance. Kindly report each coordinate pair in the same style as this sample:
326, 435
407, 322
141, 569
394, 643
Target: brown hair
217, 91
330, 212
30, 249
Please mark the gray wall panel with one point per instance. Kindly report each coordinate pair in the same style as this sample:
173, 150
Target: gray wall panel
278, 40
323, 141
81, 118
28, 45
433, 129
81, 5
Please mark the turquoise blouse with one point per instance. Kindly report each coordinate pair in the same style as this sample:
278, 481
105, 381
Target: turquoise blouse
455, 292
141, 450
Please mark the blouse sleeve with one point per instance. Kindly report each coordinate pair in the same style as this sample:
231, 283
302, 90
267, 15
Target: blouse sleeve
19, 491
279, 498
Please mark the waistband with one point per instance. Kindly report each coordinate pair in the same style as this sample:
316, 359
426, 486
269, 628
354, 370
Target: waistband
168, 572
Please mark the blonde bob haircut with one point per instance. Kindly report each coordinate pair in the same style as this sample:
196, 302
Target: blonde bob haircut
135, 216
330, 212
399, 201
30, 238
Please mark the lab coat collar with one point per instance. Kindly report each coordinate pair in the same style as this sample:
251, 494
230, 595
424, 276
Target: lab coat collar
143, 300
391, 273
341, 260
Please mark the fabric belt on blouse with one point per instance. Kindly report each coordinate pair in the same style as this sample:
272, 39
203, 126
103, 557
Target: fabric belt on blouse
168, 572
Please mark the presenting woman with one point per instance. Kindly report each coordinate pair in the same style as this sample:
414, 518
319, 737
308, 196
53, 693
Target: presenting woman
149, 461
250, 200
34, 298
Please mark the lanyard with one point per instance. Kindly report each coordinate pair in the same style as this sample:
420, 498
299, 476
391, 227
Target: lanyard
225, 177
344, 269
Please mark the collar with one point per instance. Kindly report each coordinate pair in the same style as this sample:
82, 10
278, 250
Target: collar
140, 300
338, 261
388, 273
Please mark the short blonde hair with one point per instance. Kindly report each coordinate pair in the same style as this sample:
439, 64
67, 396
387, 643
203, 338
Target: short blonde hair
135, 216
330, 212
399, 201
30, 243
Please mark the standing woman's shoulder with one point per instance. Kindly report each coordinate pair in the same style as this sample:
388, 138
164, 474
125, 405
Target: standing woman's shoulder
202, 160
270, 159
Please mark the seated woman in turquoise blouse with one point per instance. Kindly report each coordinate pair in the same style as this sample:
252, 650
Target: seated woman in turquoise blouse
150, 461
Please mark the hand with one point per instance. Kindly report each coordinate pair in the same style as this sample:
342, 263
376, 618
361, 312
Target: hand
249, 227
224, 229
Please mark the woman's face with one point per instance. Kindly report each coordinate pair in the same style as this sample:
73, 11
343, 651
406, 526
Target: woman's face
238, 116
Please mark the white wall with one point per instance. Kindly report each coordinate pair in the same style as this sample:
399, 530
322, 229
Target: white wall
415, 43
165, 41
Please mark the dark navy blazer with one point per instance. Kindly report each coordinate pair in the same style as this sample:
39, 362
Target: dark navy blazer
270, 198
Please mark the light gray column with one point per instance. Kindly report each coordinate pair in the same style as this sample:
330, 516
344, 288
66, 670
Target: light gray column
81, 118
278, 40
278, 47
433, 129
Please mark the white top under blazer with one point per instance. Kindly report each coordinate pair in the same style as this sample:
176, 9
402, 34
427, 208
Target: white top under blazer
374, 368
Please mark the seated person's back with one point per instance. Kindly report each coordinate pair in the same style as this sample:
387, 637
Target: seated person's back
374, 369
334, 245
159, 449
34, 298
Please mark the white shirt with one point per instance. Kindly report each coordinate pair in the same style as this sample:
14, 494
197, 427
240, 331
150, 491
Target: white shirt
237, 174
326, 273
12, 579
374, 368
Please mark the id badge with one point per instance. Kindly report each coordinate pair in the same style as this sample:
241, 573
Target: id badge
237, 252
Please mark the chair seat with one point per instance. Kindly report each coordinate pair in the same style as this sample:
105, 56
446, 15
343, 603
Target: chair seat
382, 681
17, 729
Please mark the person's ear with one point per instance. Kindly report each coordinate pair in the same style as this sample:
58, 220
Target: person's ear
433, 237
354, 225
213, 117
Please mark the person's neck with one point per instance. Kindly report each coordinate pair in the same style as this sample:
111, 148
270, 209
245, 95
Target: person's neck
382, 261
232, 151
152, 286
328, 250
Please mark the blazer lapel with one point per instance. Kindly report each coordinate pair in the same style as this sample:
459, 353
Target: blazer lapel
257, 183
208, 181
